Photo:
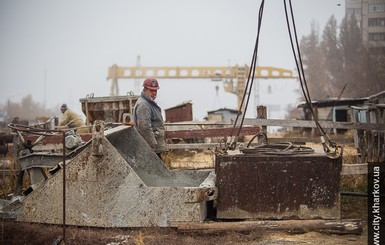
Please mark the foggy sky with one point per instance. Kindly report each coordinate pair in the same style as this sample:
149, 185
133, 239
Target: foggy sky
60, 51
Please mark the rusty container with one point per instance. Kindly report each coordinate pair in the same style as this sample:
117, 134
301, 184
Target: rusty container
109, 108
278, 187
179, 113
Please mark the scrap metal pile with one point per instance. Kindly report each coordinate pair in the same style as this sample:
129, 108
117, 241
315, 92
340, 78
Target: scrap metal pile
114, 179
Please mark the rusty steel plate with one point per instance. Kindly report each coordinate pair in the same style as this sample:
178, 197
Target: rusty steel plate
278, 187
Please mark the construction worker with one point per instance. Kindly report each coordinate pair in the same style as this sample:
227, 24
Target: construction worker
71, 120
148, 117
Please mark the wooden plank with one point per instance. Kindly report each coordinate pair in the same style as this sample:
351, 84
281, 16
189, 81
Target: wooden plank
311, 124
358, 168
210, 132
354, 169
200, 146
323, 226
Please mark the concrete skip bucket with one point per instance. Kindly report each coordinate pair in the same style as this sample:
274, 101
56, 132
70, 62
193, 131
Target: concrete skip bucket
118, 181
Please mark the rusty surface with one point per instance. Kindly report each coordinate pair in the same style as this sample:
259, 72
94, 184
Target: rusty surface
3, 149
278, 187
179, 113
108, 109
210, 132
6, 138
54, 139
170, 134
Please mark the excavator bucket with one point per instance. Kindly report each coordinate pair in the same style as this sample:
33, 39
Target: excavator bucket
118, 181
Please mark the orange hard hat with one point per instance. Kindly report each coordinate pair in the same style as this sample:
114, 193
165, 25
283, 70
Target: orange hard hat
151, 83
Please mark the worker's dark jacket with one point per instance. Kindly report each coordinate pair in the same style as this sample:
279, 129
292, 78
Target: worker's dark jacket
149, 122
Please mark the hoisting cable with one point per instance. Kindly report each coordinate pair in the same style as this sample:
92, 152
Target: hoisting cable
337, 152
248, 86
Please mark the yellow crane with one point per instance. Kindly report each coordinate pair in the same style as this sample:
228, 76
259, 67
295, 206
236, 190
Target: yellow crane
216, 73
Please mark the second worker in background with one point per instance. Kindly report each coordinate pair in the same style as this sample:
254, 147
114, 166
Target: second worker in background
71, 120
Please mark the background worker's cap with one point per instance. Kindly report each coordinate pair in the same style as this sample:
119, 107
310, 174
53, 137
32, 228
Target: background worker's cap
64, 106
151, 83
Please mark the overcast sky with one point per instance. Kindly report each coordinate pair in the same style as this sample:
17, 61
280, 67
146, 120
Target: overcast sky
60, 50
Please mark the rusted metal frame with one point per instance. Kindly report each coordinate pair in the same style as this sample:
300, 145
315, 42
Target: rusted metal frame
39, 160
212, 132
297, 141
56, 139
183, 134
311, 124
170, 134
103, 108
368, 136
42, 133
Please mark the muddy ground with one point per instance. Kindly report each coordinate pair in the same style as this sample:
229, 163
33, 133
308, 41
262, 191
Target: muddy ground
352, 207
24, 233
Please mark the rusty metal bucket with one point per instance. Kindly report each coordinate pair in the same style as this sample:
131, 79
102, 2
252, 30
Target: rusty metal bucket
109, 108
118, 181
254, 186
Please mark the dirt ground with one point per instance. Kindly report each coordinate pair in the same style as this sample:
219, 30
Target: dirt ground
24, 233
352, 207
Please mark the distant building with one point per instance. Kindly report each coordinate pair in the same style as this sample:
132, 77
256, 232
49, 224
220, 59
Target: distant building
179, 113
222, 115
335, 110
362, 110
370, 15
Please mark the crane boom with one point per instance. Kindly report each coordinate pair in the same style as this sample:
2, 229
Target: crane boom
239, 73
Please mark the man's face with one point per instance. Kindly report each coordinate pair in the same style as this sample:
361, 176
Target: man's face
151, 93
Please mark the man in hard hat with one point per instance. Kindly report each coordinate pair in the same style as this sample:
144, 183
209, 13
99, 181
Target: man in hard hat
71, 120
148, 117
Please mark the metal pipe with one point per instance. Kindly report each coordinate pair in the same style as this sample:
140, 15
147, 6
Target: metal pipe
361, 194
64, 187
351, 193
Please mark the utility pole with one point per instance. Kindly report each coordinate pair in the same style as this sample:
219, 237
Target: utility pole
137, 81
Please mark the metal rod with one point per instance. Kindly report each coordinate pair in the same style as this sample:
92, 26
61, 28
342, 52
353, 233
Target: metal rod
64, 188
350, 193
361, 194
